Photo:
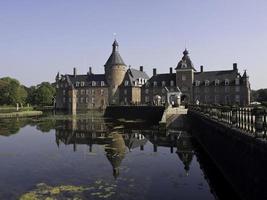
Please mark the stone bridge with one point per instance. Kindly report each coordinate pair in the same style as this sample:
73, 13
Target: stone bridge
235, 139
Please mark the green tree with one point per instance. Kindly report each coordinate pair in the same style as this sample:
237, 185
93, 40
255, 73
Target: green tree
44, 94
262, 95
11, 91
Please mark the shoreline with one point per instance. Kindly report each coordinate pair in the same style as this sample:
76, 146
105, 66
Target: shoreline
21, 114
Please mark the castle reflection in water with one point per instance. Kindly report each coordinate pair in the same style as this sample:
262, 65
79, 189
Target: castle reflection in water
119, 139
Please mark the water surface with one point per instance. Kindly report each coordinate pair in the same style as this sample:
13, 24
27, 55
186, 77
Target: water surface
88, 157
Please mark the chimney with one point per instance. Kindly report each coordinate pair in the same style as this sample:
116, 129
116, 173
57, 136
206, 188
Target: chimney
74, 71
154, 71
170, 70
90, 71
141, 68
201, 68
235, 66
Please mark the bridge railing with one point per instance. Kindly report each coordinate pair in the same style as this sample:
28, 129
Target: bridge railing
249, 119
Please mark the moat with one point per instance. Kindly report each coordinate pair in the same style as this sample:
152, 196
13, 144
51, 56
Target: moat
89, 157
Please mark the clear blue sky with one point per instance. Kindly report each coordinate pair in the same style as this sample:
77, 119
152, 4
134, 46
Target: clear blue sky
39, 38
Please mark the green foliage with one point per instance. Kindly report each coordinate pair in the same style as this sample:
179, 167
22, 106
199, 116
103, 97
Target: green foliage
11, 92
42, 94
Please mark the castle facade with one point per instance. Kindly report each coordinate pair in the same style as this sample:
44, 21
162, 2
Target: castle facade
122, 85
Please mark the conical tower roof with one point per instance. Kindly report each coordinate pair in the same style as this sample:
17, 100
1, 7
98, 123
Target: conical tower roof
115, 57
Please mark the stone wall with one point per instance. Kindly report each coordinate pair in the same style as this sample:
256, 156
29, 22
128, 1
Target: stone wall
240, 157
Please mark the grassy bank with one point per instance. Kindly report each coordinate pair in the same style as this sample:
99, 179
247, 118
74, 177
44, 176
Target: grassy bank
9, 109
20, 114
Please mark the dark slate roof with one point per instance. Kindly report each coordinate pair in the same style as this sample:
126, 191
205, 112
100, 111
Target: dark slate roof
217, 75
115, 57
186, 62
86, 78
163, 77
132, 75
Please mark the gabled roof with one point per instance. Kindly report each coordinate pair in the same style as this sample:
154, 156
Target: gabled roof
133, 74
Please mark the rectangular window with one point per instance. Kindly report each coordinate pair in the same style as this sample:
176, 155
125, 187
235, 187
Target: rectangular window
147, 99
87, 91
237, 81
102, 92
102, 83
86, 99
155, 83
207, 82
93, 83
77, 84
163, 83
183, 77
237, 88
227, 89
226, 82
216, 99
163, 99
147, 91
207, 98
82, 91
81, 99
125, 92
93, 92
197, 83
217, 82
64, 92
172, 83
82, 83
64, 100
237, 98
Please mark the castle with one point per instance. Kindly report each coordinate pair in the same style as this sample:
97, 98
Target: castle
120, 85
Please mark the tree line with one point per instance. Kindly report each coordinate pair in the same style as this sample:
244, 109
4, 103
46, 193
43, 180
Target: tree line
259, 96
13, 93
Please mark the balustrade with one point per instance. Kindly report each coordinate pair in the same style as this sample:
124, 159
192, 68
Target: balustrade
252, 120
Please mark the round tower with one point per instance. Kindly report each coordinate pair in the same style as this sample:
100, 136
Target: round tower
115, 70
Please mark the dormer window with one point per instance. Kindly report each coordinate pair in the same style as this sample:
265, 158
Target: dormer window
82, 83
93, 83
126, 83
197, 83
172, 83
155, 83
217, 82
207, 82
183, 65
102, 83
163, 83
237, 81
77, 84
226, 82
